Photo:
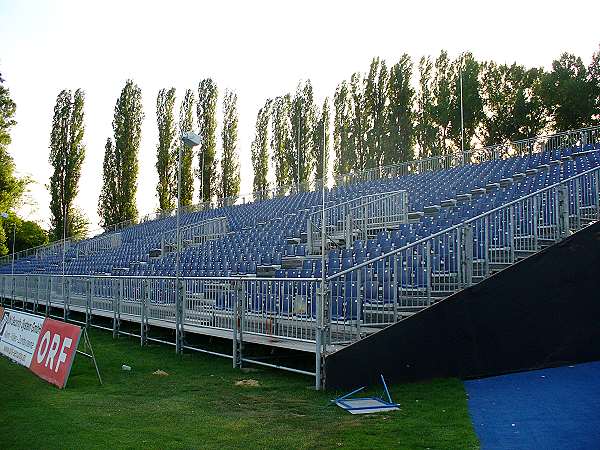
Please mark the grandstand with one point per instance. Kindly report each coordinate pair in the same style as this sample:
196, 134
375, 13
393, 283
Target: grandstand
314, 271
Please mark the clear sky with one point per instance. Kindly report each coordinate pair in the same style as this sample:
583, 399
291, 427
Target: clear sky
259, 48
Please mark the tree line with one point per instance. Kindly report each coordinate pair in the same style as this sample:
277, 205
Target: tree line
117, 201
384, 115
381, 117
293, 130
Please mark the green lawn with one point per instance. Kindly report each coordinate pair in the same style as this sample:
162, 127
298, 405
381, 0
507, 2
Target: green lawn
198, 406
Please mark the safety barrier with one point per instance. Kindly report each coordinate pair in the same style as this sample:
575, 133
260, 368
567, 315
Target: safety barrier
278, 312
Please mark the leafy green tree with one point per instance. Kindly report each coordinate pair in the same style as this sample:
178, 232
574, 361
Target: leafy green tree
186, 123
108, 205
513, 102
568, 93
426, 130
230, 167
260, 151
166, 151
359, 121
321, 142
118, 198
343, 139
27, 234
400, 114
472, 101
12, 188
281, 140
81, 224
376, 114
206, 111
302, 119
3, 246
67, 152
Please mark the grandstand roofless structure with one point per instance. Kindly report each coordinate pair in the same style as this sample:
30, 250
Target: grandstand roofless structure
396, 240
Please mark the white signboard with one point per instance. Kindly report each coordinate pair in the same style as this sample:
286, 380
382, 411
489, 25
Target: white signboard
19, 333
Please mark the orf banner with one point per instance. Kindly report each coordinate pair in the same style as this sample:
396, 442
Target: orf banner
55, 351
46, 346
19, 334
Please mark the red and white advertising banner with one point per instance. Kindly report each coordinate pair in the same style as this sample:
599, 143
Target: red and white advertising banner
46, 346
19, 334
55, 351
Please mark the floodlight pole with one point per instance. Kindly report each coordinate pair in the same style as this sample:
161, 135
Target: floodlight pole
188, 139
64, 245
178, 300
321, 304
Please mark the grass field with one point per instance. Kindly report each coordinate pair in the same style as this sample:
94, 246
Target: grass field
198, 405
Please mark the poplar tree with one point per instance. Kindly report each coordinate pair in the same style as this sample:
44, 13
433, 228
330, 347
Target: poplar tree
67, 153
260, 151
166, 151
321, 142
359, 122
206, 111
400, 113
426, 131
281, 144
127, 129
186, 123
108, 205
230, 175
444, 103
343, 139
302, 121
375, 112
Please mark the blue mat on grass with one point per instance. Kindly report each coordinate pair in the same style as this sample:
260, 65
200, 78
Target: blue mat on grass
541, 409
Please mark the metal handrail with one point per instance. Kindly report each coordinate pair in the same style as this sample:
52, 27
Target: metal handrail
382, 196
158, 277
361, 196
459, 225
173, 232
